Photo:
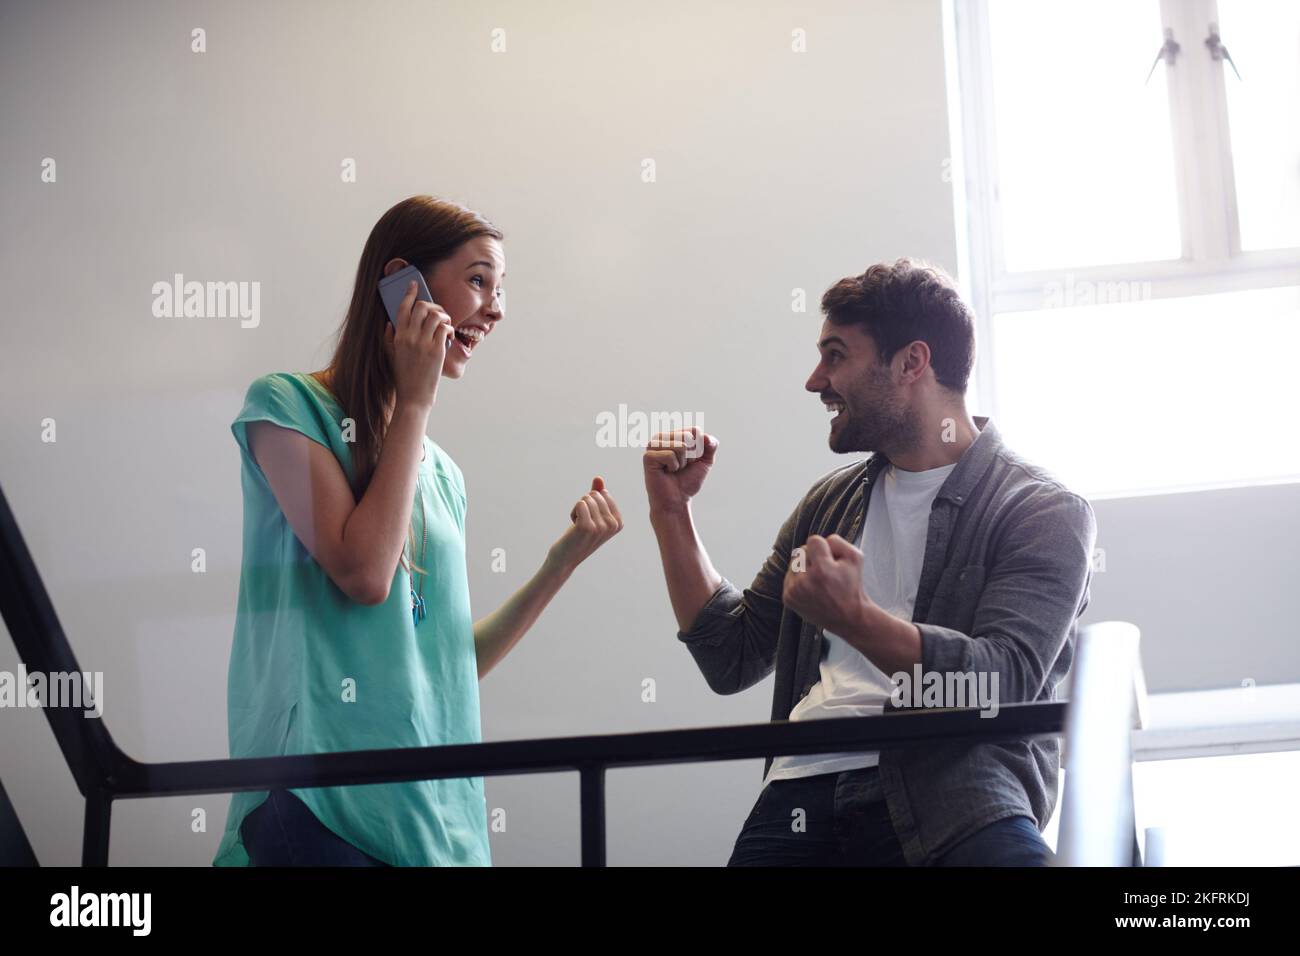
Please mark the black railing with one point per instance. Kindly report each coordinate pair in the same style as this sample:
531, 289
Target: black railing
590, 756
104, 773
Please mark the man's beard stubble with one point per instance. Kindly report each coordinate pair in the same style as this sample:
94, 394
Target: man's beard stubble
878, 422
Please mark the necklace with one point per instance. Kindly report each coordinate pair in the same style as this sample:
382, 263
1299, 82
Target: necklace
417, 600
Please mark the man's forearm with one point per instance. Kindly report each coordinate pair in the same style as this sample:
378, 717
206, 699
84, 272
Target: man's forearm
690, 576
889, 642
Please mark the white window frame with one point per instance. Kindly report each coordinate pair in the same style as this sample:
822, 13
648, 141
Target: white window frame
1212, 258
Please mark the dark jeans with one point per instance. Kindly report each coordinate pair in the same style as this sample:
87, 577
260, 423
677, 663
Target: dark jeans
846, 823
283, 831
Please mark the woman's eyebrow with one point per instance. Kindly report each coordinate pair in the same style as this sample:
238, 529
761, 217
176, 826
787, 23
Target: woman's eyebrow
483, 262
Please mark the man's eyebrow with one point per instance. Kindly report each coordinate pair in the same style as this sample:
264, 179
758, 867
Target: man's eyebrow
832, 340
482, 262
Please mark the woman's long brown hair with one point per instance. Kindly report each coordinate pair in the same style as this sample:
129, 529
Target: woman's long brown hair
424, 231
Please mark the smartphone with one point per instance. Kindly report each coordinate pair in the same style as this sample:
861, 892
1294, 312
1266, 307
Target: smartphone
392, 289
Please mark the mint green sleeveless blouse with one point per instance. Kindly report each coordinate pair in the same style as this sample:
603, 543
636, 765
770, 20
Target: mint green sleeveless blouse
312, 671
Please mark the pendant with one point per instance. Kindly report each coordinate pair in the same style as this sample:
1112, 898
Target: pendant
417, 608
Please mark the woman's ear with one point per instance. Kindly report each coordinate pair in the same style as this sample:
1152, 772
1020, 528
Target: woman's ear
393, 265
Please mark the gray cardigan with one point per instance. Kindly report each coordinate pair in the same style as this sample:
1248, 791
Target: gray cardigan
1006, 575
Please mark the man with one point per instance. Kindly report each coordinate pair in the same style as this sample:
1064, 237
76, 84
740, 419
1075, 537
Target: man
943, 549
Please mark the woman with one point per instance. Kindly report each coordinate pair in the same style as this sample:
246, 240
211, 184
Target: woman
353, 629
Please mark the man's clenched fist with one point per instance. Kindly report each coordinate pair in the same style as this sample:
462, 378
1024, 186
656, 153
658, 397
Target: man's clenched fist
828, 590
676, 464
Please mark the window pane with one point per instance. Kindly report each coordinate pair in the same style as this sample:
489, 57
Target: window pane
1156, 394
1263, 38
1221, 811
1085, 154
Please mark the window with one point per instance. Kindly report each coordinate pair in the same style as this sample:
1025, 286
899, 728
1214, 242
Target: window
1264, 124
1128, 184
1233, 810
1218, 811
1064, 180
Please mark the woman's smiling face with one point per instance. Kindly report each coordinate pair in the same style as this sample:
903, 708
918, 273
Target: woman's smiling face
468, 288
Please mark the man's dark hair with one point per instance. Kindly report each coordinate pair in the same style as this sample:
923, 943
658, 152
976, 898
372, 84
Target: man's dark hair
900, 302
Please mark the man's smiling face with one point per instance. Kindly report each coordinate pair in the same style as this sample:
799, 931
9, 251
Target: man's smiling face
872, 413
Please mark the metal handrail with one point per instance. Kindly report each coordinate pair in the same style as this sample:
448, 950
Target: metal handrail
104, 772
1108, 695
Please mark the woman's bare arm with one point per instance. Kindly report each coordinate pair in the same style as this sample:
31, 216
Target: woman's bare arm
357, 544
595, 519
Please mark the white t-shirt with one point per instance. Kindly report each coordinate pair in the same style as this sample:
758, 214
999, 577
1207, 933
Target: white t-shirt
850, 685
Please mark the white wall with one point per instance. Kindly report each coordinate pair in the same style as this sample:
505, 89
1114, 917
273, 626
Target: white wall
1210, 578
776, 170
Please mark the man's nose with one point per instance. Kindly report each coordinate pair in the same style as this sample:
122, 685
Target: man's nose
816, 381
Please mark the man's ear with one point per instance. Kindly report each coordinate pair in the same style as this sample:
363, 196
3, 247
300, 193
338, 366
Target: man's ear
917, 355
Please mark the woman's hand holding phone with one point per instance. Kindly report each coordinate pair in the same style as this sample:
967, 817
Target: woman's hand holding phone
417, 347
